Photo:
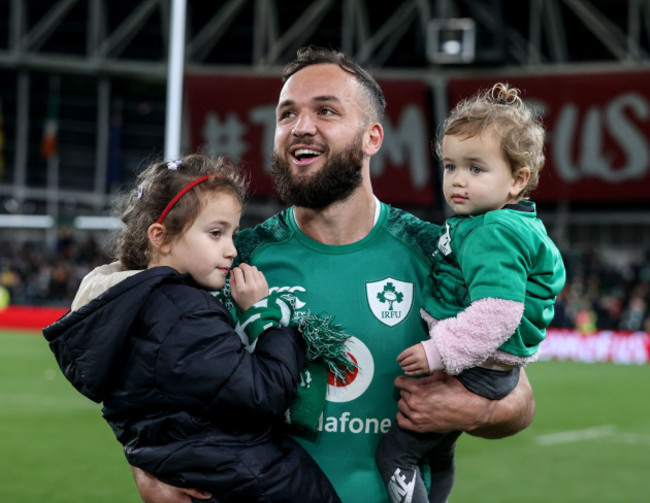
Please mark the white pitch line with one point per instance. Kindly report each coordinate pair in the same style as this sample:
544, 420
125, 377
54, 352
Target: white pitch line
633, 438
565, 437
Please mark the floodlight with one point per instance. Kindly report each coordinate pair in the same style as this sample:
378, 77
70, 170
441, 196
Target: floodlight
27, 221
451, 40
97, 223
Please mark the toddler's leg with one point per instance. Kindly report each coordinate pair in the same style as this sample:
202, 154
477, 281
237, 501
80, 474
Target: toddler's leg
443, 468
398, 456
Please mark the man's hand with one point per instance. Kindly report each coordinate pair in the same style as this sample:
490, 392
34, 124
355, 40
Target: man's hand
153, 490
440, 403
247, 285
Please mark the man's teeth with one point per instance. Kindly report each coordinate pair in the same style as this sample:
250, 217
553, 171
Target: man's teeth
305, 151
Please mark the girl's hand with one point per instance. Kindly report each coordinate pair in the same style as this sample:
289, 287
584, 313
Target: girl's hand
247, 285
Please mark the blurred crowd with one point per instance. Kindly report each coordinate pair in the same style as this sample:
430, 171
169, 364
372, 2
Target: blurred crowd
37, 274
601, 295
598, 295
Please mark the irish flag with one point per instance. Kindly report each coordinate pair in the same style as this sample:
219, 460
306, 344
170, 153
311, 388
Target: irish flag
51, 126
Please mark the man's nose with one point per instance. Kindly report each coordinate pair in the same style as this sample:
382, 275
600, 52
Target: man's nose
304, 125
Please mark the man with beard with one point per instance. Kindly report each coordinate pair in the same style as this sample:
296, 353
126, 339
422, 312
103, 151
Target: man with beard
341, 251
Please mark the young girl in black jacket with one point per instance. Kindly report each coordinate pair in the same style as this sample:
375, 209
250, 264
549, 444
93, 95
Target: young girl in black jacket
190, 404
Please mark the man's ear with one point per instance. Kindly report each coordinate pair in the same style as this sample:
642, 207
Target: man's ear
521, 177
373, 137
157, 235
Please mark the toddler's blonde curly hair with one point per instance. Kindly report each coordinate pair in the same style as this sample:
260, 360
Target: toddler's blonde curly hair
519, 127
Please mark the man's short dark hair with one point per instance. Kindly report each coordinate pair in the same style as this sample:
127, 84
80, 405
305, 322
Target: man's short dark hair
312, 55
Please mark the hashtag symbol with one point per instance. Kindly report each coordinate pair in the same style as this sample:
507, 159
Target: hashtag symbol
225, 138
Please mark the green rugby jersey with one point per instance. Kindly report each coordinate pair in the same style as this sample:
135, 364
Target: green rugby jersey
375, 289
501, 254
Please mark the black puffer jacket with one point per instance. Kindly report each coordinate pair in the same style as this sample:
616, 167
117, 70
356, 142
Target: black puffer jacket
174, 377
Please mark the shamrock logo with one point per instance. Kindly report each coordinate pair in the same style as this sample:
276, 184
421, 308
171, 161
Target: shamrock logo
391, 295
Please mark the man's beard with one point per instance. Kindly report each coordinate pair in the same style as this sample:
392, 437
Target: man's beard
335, 181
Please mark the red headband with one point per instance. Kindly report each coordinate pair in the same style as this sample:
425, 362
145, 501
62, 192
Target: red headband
183, 191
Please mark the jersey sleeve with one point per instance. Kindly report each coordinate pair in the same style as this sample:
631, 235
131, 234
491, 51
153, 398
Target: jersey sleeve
494, 260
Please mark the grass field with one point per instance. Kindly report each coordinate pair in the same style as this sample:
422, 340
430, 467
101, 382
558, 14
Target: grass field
590, 441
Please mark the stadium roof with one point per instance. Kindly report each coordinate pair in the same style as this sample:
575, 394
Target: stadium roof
131, 37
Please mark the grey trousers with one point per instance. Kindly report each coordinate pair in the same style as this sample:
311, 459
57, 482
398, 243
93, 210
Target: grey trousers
402, 453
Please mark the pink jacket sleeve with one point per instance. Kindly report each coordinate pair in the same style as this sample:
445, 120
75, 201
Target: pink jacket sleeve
472, 336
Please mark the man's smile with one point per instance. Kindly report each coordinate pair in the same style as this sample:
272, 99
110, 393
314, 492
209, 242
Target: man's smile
304, 155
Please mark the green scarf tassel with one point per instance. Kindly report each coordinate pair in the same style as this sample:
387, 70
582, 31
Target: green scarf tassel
326, 343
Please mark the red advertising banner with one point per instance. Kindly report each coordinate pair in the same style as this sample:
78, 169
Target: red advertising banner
29, 317
598, 132
235, 116
631, 348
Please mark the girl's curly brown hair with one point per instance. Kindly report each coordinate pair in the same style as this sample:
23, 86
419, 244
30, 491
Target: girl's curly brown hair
155, 187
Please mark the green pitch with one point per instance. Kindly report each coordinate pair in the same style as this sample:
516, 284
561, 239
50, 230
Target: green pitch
590, 440
55, 447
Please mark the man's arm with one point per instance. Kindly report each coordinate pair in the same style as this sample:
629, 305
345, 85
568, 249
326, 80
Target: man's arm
153, 490
441, 403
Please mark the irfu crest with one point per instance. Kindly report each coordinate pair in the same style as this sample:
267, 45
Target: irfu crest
390, 295
390, 300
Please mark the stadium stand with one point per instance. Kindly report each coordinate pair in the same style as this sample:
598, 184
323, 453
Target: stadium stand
82, 107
